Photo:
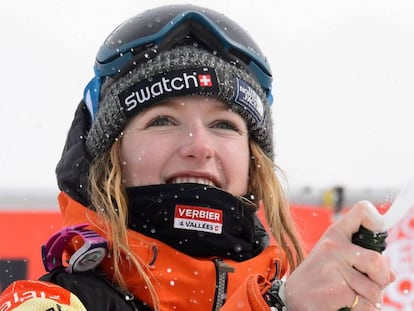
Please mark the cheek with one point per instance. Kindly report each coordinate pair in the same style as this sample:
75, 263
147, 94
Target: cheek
138, 164
131, 160
235, 162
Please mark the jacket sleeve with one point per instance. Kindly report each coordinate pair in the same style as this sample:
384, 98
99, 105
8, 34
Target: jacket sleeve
38, 296
249, 296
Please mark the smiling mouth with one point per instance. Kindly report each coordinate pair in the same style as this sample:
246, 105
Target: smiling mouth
195, 180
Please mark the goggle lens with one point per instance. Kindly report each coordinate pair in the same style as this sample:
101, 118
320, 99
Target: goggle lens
157, 27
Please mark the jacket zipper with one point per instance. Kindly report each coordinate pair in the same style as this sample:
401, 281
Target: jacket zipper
222, 270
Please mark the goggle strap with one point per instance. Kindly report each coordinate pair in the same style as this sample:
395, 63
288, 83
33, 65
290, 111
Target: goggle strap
91, 96
264, 79
270, 98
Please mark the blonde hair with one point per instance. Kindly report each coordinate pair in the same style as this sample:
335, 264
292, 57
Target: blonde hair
108, 198
265, 182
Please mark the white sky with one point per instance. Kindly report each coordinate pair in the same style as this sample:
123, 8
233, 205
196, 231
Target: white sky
344, 83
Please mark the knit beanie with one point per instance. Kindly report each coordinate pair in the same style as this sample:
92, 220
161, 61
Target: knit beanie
181, 71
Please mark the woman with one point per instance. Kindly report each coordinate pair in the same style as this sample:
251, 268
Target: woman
170, 160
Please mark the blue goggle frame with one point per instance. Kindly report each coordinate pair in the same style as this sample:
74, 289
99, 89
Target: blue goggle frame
114, 55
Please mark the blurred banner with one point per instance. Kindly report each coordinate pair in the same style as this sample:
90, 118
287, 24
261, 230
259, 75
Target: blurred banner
22, 234
400, 250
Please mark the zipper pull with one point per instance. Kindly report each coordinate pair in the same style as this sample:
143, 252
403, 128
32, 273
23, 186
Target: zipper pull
223, 267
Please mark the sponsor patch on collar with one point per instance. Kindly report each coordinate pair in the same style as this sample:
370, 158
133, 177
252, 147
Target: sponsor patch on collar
197, 218
248, 99
174, 83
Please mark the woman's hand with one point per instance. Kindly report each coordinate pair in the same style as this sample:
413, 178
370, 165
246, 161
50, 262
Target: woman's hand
336, 271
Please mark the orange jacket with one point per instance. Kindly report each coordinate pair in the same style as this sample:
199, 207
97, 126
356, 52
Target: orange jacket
183, 282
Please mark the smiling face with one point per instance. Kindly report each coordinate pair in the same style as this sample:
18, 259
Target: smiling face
188, 139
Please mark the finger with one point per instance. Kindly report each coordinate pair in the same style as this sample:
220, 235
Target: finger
354, 301
363, 213
363, 285
371, 264
366, 305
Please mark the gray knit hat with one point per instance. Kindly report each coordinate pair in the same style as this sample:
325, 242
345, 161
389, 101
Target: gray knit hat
181, 71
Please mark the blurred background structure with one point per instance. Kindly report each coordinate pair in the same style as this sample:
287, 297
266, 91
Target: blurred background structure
343, 100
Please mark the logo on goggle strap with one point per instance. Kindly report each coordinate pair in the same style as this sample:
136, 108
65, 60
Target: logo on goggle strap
170, 84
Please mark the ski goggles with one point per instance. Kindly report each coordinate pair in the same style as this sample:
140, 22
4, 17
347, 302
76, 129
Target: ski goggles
160, 29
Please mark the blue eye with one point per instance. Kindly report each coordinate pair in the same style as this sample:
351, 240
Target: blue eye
161, 121
226, 125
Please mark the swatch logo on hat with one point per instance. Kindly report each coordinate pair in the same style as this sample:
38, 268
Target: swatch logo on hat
170, 84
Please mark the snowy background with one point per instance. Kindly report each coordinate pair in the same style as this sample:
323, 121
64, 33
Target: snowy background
344, 84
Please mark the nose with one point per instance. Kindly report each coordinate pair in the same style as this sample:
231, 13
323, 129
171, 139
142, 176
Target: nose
198, 145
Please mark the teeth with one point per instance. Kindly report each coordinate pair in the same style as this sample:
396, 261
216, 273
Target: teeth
196, 180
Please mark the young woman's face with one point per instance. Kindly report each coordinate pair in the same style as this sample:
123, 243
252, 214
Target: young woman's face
188, 139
